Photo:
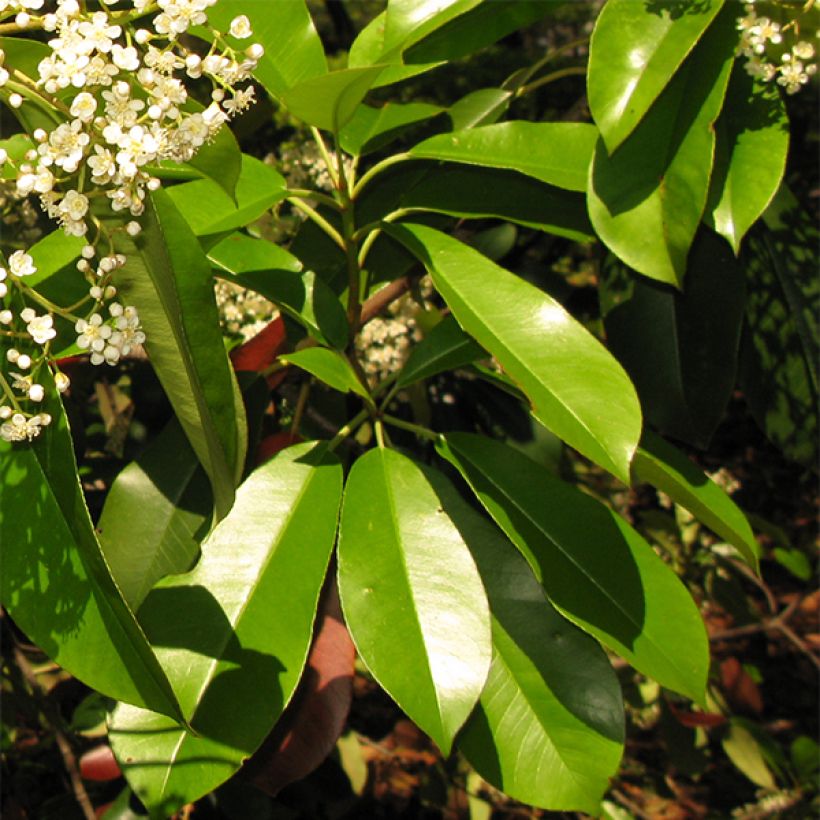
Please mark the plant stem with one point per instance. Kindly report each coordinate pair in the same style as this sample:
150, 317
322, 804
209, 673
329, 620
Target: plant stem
379, 428
550, 78
376, 169
345, 431
324, 199
319, 220
553, 55
332, 171
420, 431
301, 403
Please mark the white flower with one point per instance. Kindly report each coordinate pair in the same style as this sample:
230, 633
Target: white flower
83, 107
92, 334
125, 58
241, 27
21, 264
61, 382
41, 328
19, 428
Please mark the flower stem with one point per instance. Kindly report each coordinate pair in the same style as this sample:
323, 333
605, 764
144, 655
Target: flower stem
420, 431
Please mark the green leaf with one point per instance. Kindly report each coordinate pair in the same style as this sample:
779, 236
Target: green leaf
372, 128
24, 55
549, 726
293, 50
646, 201
411, 594
220, 160
743, 749
750, 156
234, 633
330, 101
794, 561
558, 153
595, 568
409, 21
152, 514
55, 582
209, 210
16, 147
481, 107
276, 274
636, 49
168, 278
680, 349
473, 192
576, 387
658, 463
52, 253
445, 347
778, 372
329, 366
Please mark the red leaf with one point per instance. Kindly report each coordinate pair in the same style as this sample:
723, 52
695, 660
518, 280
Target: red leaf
261, 351
696, 720
310, 726
99, 764
271, 445
741, 690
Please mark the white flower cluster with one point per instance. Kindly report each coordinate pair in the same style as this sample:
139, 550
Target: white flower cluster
118, 97
762, 38
242, 313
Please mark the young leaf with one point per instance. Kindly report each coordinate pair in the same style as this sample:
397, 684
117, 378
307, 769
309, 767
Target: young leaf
276, 274
636, 49
293, 50
646, 200
445, 347
55, 582
372, 128
576, 387
680, 348
658, 463
411, 594
595, 568
753, 125
558, 153
329, 101
548, 729
209, 210
168, 278
234, 632
152, 513
329, 366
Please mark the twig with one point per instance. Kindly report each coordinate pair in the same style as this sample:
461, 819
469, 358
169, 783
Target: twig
48, 712
631, 805
379, 301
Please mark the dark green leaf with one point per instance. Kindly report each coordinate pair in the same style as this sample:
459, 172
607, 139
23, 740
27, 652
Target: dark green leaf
635, 51
209, 210
372, 128
750, 156
646, 201
680, 349
558, 153
293, 50
152, 514
330, 101
234, 633
329, 366
661, 465
576, 387
411, 594
445, 347
168, 278
595, 568
55, 582
276, 274
549, 726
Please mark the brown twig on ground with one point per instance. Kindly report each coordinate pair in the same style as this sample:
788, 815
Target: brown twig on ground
53, 719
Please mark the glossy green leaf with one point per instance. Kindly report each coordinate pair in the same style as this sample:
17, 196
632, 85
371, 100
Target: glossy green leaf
742, 748
658, 463
636, 49
330, 101
409, 21
55, 583
778, 373
445, 347
168, 278
411, 594
549, 726
473, 192
596, 569
576, 387
753, 126
24, 54
481, 107
558, 153
220, 160
276, 274
293, 50
680, 349
152, 514
372, 128
646, 201
16, 147
209, 210
52, 253
234, 632
329, 366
